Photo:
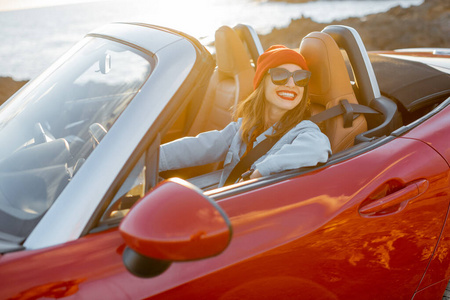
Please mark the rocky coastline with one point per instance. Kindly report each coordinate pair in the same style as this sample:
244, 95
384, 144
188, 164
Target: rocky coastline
426, 25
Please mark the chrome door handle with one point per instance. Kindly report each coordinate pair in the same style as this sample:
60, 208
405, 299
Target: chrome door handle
402, 197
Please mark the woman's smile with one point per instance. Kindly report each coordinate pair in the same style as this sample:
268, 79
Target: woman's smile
287, 95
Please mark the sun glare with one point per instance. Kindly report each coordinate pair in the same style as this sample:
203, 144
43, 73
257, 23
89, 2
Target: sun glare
195, 11
7, 5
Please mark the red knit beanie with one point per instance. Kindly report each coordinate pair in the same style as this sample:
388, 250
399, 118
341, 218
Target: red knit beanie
275, 56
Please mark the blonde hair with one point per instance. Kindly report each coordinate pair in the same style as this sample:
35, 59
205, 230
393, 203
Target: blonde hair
252, 109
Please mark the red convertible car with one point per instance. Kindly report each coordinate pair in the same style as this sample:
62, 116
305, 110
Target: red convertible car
85, 213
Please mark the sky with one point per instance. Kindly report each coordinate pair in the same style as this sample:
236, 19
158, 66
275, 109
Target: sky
24, 4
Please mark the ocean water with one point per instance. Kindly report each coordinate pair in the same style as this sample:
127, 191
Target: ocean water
32, 39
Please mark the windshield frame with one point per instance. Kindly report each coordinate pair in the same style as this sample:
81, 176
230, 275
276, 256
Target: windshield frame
175, 58
48, 161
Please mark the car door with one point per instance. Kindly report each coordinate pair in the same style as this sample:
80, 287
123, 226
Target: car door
364, 228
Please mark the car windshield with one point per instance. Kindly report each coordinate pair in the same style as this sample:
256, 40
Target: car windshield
49, 129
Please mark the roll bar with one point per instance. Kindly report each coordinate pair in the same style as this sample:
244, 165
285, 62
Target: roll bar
348, 39
250, 38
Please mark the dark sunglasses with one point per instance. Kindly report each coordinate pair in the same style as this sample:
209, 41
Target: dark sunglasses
280, 76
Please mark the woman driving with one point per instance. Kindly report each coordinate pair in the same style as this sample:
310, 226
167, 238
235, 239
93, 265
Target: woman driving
275, 117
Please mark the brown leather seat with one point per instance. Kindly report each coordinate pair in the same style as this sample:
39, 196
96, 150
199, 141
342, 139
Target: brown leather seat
230, 83
329, 85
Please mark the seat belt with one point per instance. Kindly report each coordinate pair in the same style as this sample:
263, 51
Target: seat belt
344, 108
245, 163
